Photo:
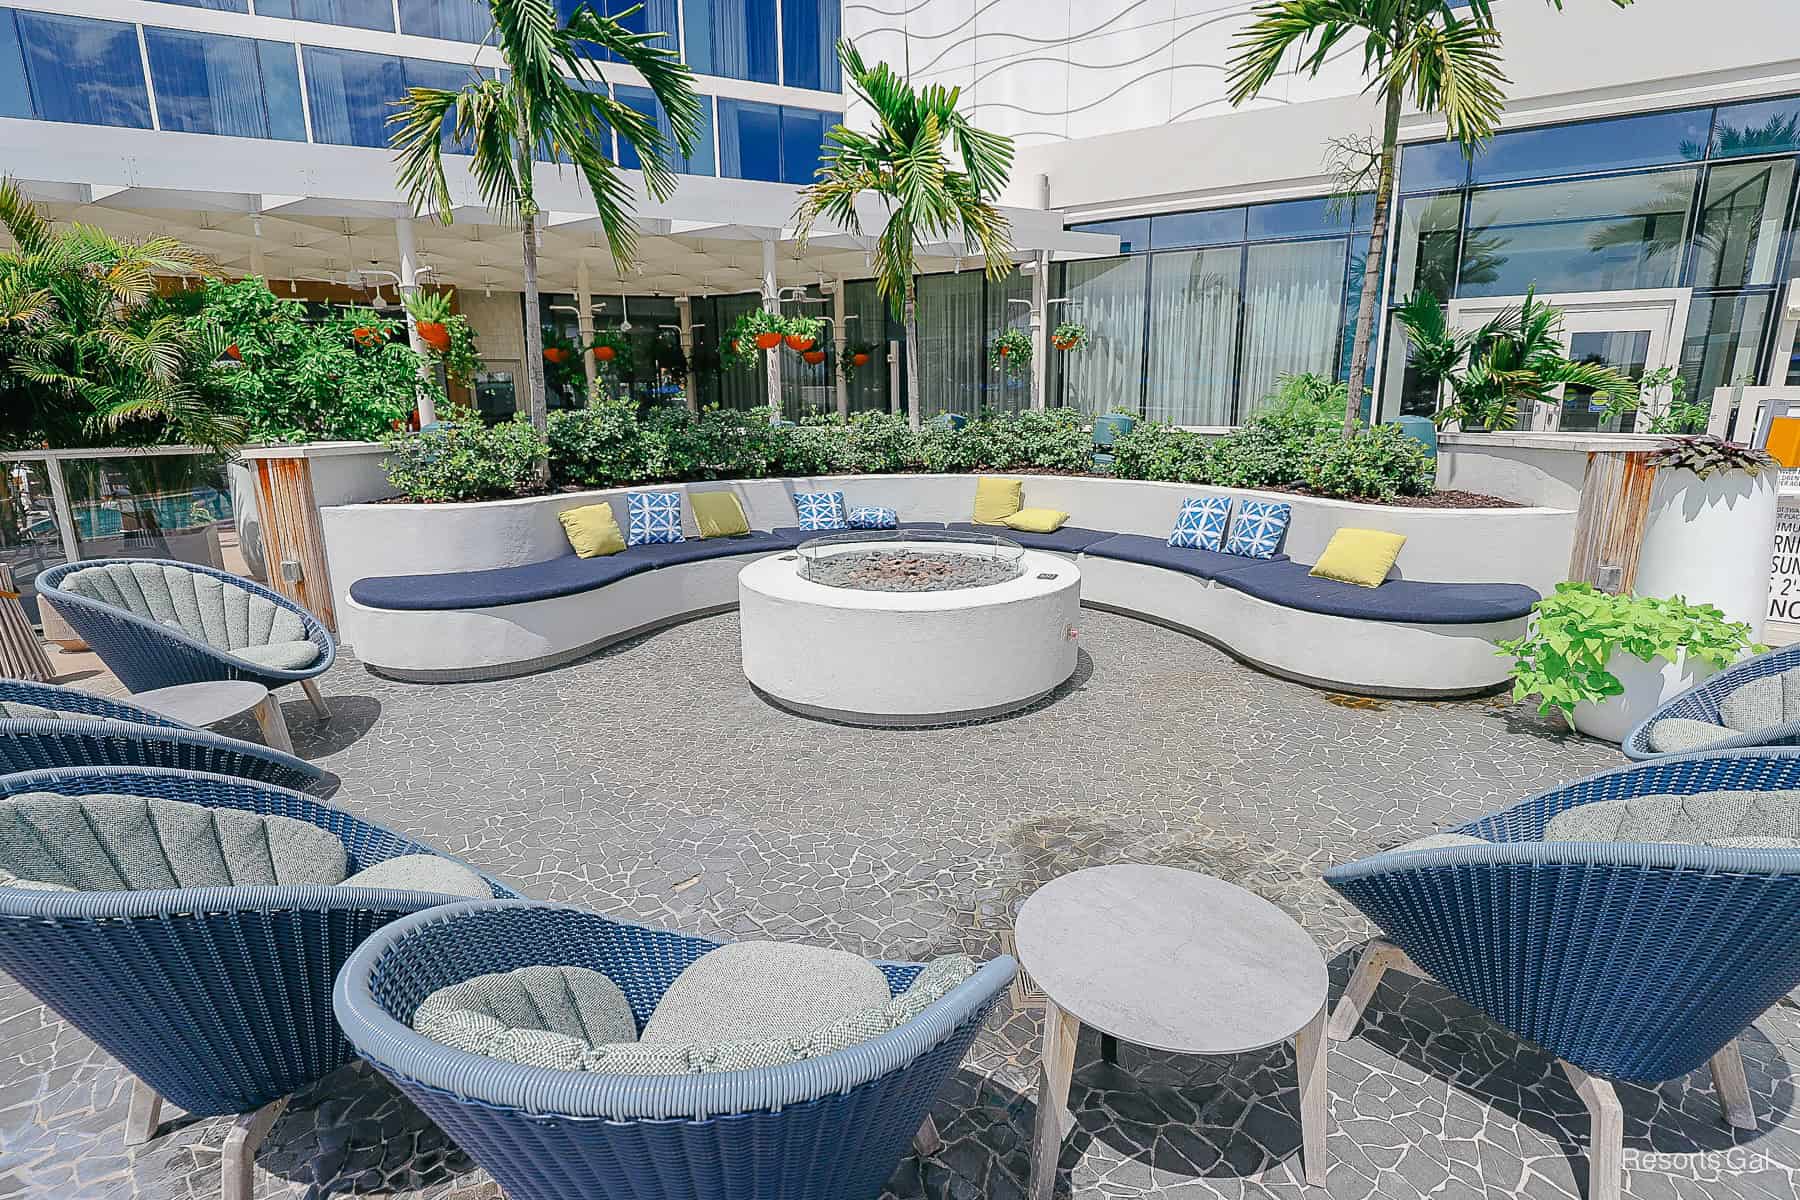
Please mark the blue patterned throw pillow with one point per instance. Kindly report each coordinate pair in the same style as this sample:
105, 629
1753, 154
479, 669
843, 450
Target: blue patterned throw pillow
873, 518
654, 517
819, 511
1256, 530
1201, 525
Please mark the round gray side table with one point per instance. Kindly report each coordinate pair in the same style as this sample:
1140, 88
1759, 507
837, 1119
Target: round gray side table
203, 704
1172, 960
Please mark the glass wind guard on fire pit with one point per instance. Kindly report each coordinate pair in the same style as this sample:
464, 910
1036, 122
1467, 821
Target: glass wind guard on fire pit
910, 560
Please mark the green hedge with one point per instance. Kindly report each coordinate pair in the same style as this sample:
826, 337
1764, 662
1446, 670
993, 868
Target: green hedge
610, 445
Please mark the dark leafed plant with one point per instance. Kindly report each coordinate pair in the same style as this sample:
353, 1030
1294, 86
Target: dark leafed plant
553, 104
933, 171
1706, 455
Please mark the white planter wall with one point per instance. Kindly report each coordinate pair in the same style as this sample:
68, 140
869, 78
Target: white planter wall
1647, 686
1709, 540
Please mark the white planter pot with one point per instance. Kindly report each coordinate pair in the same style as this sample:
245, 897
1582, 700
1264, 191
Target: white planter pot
1711, 540
1647, 686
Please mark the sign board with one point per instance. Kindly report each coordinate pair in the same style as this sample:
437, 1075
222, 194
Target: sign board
1784, 578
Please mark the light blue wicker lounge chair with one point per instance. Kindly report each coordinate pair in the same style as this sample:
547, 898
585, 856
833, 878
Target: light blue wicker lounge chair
43, 726
1633, 924
1752, 703
156, 623
216, 996
826, 1128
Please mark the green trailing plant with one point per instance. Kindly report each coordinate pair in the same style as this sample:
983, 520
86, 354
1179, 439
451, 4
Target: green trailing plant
1010, 351
552, 103
612, 351
1706, 455
1563, 657
804, 330
745, 338
460, 458
1439, 55
447, 337
934, 173
1070, 335
847, 365
1506, 367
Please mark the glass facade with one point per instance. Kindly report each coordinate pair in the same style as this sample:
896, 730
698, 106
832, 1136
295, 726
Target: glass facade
1694, 203
228, 85
1204, 310
777, 143
77, 69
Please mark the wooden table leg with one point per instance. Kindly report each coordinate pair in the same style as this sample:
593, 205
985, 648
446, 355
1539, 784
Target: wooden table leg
274, 725
1606, 1140
1315, 1117
1055, 1069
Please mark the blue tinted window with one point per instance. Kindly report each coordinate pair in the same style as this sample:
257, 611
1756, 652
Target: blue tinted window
219, 5
454, 20
809, 35
1766, 127
84, 70
1595, 146
363, 14
349, 93
733, 38
1431, 166
227, 85
700, 162
444, 76
1133, 232
1214, 228
802, 141
1299, 218
15, 93
749, 140
656, 16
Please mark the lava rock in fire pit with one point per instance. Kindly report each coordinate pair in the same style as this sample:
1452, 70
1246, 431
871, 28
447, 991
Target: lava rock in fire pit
908, 570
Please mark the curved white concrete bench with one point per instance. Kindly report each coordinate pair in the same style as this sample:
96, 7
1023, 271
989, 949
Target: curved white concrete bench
491, 590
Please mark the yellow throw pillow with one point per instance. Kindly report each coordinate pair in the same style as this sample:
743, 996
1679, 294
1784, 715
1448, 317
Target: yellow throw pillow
996, 499
592, 529
719, 514
1360, 556
1036, 520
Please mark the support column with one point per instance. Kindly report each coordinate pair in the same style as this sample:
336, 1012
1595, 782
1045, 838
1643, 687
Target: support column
409, 285
1040, 331
894, 397
771, 302
584, 322
840, 344
684, 307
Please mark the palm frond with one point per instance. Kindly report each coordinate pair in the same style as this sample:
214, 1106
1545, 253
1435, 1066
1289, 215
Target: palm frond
417, 138
23, 222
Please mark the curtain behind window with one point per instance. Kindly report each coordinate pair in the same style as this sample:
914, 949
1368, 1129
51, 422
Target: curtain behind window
869, 384
1106, 295
1293, 300
1004, 393
952, 357
207, 84
740, 387
1193, 336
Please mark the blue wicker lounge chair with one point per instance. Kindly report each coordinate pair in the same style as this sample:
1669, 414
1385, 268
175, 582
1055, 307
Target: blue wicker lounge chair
217, 998
1627, 960
94, 732
1700, 706
156, 623
827, 1128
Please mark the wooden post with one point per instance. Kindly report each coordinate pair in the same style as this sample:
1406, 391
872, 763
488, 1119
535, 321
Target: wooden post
293, 536
1609, 526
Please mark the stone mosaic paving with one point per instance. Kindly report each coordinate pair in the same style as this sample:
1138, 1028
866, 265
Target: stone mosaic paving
648, 781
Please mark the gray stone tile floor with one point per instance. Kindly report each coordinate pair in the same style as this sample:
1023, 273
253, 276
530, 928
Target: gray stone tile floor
648, 781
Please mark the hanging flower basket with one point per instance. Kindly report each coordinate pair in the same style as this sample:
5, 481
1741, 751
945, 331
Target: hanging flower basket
859, 359
555, 354
605, 353
815, 357
798, 343
366, 336
1011, 352
1070, 335
767, 341
434, 334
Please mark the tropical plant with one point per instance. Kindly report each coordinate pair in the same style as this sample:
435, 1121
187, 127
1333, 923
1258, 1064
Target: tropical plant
463, 458
1707, 455
1306, 399
1010, 351
802, 332
552, 101
1442, 55
87, 354
906, 162
1070, 335
447, 337
848, 365
1563, 657
1506, 367
429, 308
611, 349
754, 330
1679, 415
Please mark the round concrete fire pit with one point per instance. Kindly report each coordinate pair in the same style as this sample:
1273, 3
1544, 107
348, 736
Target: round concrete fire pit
908, 628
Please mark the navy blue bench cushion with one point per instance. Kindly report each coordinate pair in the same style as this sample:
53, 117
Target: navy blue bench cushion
667, 554
1156, 552
792, 535
1070, 539
1287, 583
563, 576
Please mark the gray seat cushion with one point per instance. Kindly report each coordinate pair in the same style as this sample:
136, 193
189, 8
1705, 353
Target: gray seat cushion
538, 1016
131, 843
764, 989
281, 656
1677, 735
1705, 819
1442, 841
423, 873
205, 607
1762, 703
13, 710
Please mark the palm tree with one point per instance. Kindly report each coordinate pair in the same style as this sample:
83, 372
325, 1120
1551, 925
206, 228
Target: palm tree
85, 352
1440, 54
554, 104
906, 164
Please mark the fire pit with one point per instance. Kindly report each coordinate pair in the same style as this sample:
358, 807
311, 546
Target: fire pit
910, 627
